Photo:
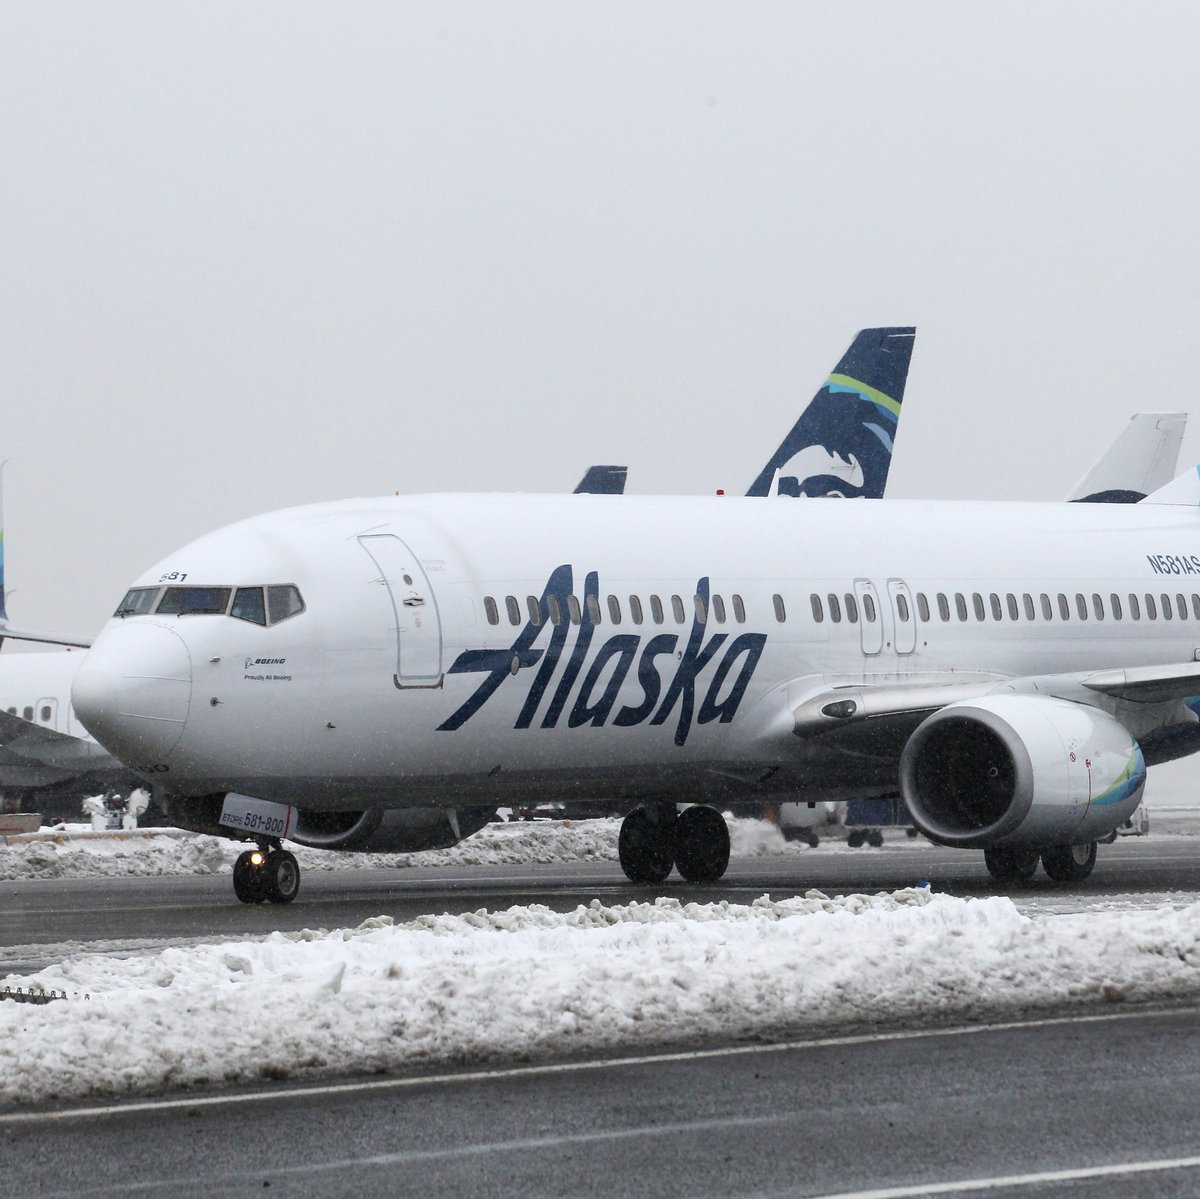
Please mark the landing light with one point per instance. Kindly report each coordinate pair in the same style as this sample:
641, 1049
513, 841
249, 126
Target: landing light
256, 858
841, 709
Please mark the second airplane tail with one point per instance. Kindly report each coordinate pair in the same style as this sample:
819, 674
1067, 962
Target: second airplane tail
842, 443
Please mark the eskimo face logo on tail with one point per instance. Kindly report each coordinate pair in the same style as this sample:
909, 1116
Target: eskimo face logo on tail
726, 664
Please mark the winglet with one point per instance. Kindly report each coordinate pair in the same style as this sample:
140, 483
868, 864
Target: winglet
1184, 491
842, 443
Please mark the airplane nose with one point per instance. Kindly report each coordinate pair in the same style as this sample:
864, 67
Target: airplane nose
133, 690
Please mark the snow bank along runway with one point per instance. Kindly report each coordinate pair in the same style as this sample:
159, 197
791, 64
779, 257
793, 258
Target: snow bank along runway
493, 986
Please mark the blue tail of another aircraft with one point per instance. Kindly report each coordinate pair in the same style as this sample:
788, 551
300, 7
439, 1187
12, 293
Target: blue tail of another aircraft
842, 443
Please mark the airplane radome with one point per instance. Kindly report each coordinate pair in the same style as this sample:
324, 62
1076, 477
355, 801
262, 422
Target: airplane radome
380, 674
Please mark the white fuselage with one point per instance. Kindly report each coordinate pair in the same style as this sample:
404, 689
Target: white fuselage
411, 677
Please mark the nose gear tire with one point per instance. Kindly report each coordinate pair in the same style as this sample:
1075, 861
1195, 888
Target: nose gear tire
281, 876
248, 879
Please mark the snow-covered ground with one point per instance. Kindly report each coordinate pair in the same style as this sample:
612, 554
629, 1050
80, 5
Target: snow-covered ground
530, 981
80, 854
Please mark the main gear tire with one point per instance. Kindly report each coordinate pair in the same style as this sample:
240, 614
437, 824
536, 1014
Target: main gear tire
1011, 865
646, 847
701, 844
1070, 863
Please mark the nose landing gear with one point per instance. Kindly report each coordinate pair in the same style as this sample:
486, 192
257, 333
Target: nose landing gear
654, 838
266, 873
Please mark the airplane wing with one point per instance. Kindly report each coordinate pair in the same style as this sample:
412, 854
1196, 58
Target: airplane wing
1143, 458
25, 741
870, 709
16, 633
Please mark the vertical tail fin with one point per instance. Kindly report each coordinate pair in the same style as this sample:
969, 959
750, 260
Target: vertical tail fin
602, 480
1143, 459
842, 443
3, 601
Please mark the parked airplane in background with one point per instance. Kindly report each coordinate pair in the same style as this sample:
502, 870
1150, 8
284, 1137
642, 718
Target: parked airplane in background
602, 480
842, 444
1144, 457
342, 672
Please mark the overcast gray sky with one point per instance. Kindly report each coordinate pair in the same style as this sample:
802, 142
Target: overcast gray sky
254, 255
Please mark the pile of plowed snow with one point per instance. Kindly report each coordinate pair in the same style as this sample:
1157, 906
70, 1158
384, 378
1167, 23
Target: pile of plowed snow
145, 854
529, 981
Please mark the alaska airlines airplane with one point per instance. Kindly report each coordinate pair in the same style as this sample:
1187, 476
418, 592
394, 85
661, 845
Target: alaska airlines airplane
383, 673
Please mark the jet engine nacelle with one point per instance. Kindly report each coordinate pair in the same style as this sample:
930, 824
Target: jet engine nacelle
388, 830
1020, 770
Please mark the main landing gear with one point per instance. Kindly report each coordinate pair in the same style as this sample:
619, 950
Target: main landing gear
266, 873
654, 838
1063, 863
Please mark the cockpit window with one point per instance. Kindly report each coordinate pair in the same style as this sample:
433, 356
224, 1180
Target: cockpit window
248, 605
137, 602
283, 602
194, 601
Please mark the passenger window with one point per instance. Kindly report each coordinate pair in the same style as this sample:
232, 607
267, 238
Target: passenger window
194, 601
1166, 608
1064, 607
45, 713
677, 609
960, 605
1181, 607
997, 610
835, 610
514, 609
574, 609
593, 608
534, 609
635, 609
248, 604
1196, 606
27, 713
701, 610
1097, 607
977, 604
1081, 605
1151, 611
851, 609
555, 609
922, 607
1114, 605
1030, 610
1134, 610
718, 607
943, 607
869, 609
902, 609
283, 602
780, 611
817, 611
614, 609
1047, 610
137, 602
489, 607
739, 609
656, 609
1014, 612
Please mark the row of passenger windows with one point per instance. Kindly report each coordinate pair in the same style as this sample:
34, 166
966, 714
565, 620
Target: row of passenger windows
552, 609
258, 605
44, 713
996, 607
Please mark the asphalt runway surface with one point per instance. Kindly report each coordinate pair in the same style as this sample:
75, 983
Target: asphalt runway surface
1090, 1102
1081, 1105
